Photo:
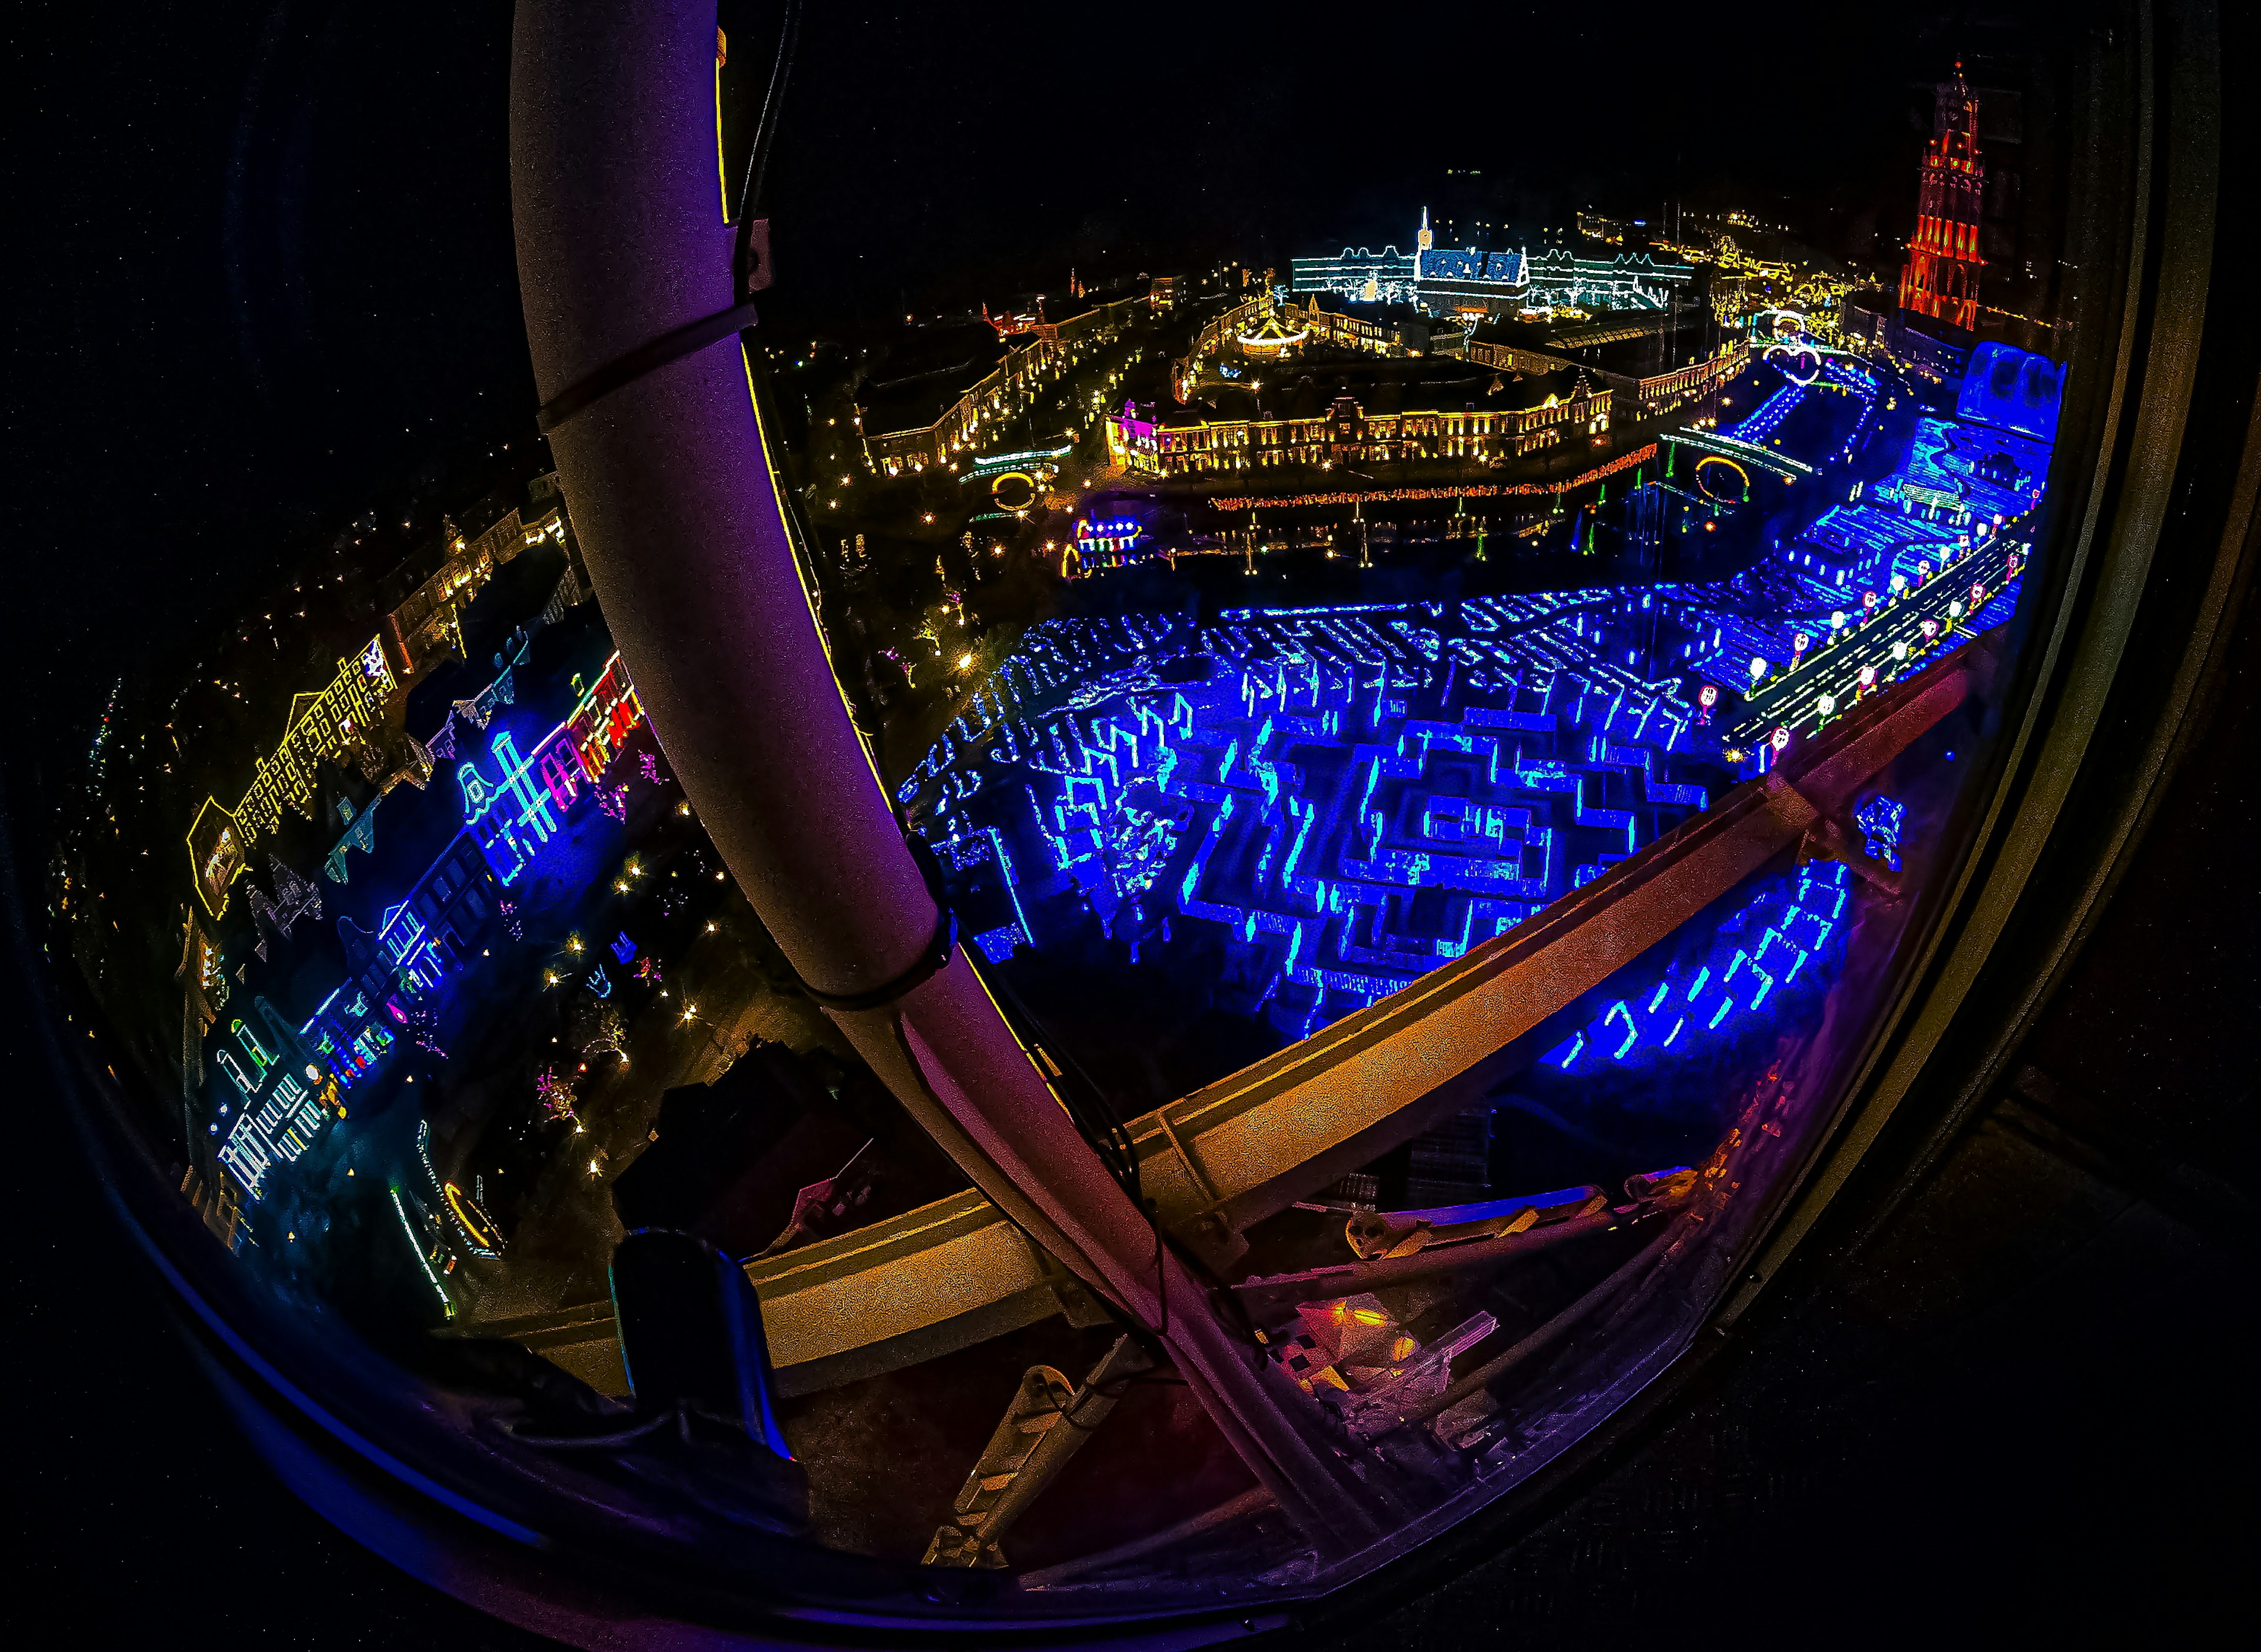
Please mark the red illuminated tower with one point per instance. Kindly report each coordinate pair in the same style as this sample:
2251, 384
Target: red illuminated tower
1940, 279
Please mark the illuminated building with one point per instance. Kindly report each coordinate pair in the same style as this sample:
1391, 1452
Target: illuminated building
280, 1096
426, 625
1640, 394
1470, 282
1632, 280
1382, 278
514, 814
1521, 418
294, 899
1110, 542
439, 926
204, 990
929, 414
328, 726
418, 942
1377, 329
1940, 277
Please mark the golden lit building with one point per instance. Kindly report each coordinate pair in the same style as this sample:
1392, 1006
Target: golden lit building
328, 725
1520, 418
426, 625
929, 421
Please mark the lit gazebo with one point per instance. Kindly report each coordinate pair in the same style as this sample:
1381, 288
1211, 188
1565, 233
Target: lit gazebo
1269, 340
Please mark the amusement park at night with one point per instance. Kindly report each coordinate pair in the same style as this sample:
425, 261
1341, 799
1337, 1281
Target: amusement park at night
1191, 891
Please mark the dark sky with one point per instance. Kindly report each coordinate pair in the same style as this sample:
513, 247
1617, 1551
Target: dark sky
266, 278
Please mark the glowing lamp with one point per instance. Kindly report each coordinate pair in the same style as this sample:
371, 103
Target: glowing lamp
1868, 599
1899, 651
1779, 740
1800, 642
1900, 583
1867, 676
1758, 667
1837, 620
1825, 703
1977, 595
1708, 695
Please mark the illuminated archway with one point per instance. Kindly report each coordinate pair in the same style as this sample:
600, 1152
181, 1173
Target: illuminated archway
1704, 480
1019, 495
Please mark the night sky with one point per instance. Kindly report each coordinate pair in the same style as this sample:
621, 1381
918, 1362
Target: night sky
268, 284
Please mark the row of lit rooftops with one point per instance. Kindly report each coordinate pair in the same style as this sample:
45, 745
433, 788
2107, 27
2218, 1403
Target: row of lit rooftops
1376, 391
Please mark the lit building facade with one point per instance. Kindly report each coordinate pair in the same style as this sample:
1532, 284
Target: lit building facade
1026, 370
325, 726
1380, 333
420, 940
278, 1095
1940, 277
1470, 282
1184, 445
1646, 397
427, 626
511, 817
1370, 277
282, 1084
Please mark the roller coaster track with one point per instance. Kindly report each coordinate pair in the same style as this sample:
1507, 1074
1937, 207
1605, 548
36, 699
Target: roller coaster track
958, 1272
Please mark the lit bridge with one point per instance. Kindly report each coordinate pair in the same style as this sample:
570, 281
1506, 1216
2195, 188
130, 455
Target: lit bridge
1747, 453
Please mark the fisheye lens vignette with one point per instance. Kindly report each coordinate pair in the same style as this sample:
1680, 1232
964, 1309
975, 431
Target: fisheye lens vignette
1290, 675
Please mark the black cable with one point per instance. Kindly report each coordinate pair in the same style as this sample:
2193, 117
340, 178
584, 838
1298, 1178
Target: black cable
750, 265
1096, 1120
750, 258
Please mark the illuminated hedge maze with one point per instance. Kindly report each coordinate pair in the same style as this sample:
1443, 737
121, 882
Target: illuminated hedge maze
1339, 799
1781, 946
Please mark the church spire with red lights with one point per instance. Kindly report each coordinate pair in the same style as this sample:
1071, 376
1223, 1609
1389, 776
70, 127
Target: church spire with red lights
1940, 277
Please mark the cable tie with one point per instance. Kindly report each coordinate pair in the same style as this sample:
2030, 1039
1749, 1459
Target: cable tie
643, 361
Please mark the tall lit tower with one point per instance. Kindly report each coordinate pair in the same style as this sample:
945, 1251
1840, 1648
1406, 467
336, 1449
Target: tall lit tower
1940, 279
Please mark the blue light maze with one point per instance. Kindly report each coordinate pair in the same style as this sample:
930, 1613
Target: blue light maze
1779, 950
1337, 799
1348, 799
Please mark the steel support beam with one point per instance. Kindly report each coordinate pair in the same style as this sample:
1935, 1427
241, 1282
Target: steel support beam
621, 243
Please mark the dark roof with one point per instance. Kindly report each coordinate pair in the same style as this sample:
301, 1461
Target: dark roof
928, 369
1530, 389
1400, 314
729, 1157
